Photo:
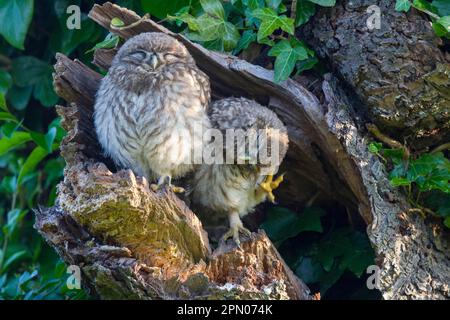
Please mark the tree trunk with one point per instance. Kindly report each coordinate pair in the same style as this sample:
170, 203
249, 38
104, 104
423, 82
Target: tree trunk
399, 74
133, 243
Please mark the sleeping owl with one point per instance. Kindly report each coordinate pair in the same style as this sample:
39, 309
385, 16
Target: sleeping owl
148, 105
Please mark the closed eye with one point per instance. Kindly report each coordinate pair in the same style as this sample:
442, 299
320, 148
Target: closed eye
138, 55
172, 56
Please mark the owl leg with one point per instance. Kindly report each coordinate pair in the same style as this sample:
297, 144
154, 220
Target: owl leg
236, 226
269, 185
166, 182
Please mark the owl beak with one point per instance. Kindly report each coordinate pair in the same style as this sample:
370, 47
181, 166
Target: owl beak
153, 61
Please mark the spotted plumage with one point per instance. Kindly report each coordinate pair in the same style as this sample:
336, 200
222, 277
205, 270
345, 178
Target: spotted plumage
148, 105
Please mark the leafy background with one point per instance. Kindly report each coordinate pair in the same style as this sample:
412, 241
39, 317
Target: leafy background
321, 245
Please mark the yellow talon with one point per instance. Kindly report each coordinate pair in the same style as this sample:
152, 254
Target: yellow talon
269, 185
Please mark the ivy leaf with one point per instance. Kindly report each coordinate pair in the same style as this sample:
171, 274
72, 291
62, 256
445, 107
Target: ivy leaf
13, 258
447, 222
402, 5
45, 141
5, 81
3, 103
14, 217
282, 223
213, 8
35, 157
16, 18
274, 4
20, 96
28, 71
230, 37
445, 22
442, 7
15, 140
271, 21
210, 28
247, 38
324, 3
286, 57
305, 10
398, 181
162, 8
111, 41
253, 4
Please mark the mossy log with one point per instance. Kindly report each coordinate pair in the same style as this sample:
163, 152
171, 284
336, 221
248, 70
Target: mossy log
132, 243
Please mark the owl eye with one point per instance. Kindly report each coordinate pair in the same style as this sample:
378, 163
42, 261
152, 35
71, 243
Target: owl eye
138, 55
171, 56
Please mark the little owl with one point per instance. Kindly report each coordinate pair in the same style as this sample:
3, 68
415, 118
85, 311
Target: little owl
148, 105
234, 189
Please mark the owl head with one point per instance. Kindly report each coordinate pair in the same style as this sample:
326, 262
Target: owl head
149, 53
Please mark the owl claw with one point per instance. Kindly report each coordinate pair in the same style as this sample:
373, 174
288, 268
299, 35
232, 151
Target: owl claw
269, 185
233, 232
165, 183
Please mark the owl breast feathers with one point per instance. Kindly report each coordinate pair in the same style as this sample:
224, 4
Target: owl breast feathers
148, 105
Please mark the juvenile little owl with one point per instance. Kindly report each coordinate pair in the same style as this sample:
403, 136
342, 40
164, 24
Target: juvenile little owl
235, 189
148, 105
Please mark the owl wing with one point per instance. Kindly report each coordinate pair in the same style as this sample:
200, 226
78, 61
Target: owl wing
205, 88
245, 114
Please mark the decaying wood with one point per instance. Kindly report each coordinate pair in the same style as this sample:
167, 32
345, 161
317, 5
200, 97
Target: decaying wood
133, 243
398, 71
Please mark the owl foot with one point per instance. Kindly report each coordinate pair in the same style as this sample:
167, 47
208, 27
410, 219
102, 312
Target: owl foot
165, 182
236, 227
269, 185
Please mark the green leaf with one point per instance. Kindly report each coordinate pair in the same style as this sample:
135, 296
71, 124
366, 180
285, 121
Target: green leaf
270, 21
28, 71
45, 141
447, 222
282, 223
324, 3
402, 5
35, 157
3, 103
396, 182
442, 7
253, 4
210, 28
445, 22
214, 8
305, 10
111, 41
185, 17
309, 270
19, 96
162, 8
6, 116
13, 258
17, 139
274, 4
14, 217
15, 17
116, 22
5, 81
230, 37
286, 58
247, 38
307, 64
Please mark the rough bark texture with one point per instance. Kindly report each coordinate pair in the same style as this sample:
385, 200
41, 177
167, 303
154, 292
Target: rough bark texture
133, 243
398, 71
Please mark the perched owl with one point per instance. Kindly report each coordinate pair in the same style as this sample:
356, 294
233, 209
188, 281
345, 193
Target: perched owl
148, 105
235, 189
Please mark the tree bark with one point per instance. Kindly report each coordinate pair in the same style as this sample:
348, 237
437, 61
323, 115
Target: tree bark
398, 72
133, 243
